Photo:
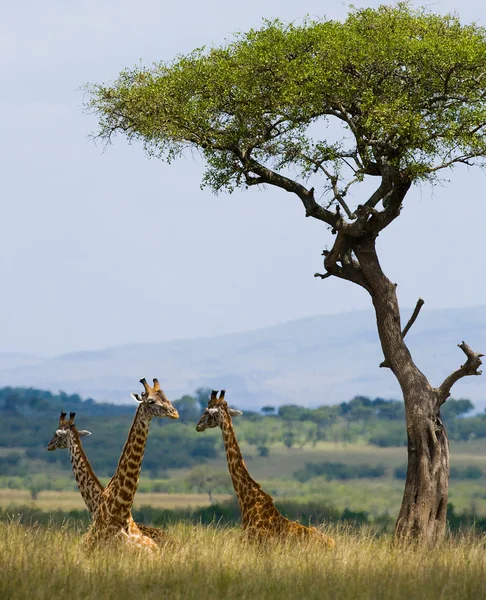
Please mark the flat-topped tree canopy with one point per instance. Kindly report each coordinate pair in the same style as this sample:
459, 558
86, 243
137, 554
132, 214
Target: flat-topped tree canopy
407, 86
392, 95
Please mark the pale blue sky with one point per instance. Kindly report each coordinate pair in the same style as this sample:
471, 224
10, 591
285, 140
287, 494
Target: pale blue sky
99, 249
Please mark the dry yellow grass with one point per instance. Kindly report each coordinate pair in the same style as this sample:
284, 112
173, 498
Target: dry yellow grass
215, 564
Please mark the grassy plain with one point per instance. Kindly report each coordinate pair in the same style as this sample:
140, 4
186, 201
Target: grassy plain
275, 473
214, 563
50, 500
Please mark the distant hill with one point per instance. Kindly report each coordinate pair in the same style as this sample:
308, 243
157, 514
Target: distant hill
317, 360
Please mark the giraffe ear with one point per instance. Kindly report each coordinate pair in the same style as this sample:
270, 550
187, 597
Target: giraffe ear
234, 412
137, 397
84, 433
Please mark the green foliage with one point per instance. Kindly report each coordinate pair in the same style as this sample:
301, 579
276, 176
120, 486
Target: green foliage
292, 412
36, 483
260, 438
389, 435
456, 408
188, 408
9, 464
403, 84
29, 418
469, 472
338, 470
361, 408
202, 397
204, 479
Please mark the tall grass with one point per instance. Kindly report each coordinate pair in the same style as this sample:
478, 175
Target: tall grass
213, 563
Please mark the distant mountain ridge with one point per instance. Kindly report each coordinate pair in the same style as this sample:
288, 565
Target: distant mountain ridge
316, 360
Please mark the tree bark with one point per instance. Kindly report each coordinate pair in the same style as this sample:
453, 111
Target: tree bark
423, 511
422, 514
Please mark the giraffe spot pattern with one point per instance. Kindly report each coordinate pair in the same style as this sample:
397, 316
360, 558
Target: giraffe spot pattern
260, 518
112, 521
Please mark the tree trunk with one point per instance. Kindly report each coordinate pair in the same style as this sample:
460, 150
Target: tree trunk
423, 511
424, 505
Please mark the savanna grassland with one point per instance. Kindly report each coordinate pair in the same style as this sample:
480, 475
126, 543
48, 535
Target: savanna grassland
377, 496
330, 471
213, 563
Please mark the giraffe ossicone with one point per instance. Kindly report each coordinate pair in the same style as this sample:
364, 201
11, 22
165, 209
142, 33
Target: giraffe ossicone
260, 518
67, 436
112, 520
62, 438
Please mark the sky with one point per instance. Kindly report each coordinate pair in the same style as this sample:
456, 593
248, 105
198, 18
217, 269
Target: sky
101, 247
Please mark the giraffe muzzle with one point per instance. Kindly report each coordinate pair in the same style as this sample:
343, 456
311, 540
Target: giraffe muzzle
173, 413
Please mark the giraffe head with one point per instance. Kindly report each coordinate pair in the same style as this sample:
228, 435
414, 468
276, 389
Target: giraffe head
154, 402
61, 437
213, 414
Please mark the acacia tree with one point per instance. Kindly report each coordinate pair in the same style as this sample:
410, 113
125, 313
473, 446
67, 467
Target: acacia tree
205, 480
391, 96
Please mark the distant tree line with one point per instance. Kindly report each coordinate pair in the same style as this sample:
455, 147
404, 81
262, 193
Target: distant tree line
29, 419
469, 472
378, 421
339, 470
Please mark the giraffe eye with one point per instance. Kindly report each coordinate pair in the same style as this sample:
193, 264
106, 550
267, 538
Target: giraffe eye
151, 401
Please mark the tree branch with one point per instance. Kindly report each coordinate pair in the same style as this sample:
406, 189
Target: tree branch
349, 269
270, 177
392, 206
382, 190
470, 367
333, 179
460, 159
406, 329
413, 318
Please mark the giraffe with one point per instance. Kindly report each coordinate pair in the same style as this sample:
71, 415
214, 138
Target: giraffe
112, 521
261, 520
69, 436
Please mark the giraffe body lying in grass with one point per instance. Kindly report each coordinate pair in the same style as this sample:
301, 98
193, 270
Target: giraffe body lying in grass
261, 520
113, 521
68, 436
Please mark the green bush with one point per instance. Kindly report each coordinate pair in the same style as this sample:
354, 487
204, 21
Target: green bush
340, 471
469, 472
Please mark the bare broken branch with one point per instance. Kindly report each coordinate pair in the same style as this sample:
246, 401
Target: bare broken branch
470, 367
414, 316
411, 321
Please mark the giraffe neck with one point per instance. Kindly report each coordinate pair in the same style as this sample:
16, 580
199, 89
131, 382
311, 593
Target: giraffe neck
88, 484
120, 491
247, 490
